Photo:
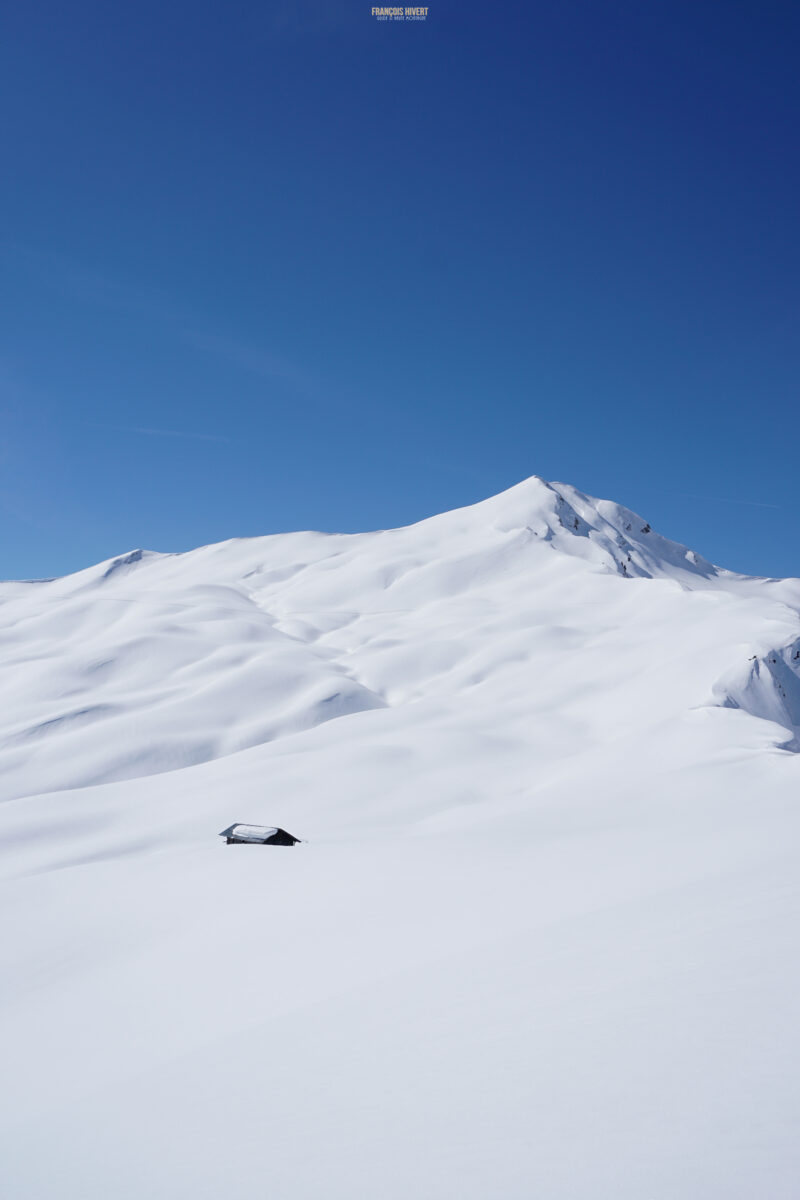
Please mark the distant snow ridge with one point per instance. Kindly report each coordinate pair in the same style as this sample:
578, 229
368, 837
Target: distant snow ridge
152, 662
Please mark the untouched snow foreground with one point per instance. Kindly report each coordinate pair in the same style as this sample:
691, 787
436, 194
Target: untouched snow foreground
542, 939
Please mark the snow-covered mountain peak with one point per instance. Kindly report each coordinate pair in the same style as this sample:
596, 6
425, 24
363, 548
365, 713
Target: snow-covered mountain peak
152, 662
618, 539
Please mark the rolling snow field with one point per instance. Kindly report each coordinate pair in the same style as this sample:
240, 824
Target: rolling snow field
540, 940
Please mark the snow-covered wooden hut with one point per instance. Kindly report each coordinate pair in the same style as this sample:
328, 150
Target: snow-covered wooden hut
258, 835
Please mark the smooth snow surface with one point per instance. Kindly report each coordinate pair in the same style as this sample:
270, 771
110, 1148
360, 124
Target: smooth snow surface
541, 941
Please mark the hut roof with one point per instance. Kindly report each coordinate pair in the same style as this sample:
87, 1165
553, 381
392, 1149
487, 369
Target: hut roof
250, 833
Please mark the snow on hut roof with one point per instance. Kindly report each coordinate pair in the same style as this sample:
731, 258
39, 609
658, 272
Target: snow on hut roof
254, 833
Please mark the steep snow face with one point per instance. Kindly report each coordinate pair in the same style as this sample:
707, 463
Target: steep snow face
539, 941
768, 687
615, 537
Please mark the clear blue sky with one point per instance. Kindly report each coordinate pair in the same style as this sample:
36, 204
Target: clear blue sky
269, 266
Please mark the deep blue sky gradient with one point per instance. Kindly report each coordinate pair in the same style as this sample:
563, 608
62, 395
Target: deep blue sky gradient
271, 266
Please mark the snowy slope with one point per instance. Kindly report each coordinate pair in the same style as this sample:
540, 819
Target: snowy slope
539, 941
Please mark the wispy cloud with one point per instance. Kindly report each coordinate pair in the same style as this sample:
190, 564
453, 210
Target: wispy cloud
730, 500
73, 279
148, 431
179, 433
254, 359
